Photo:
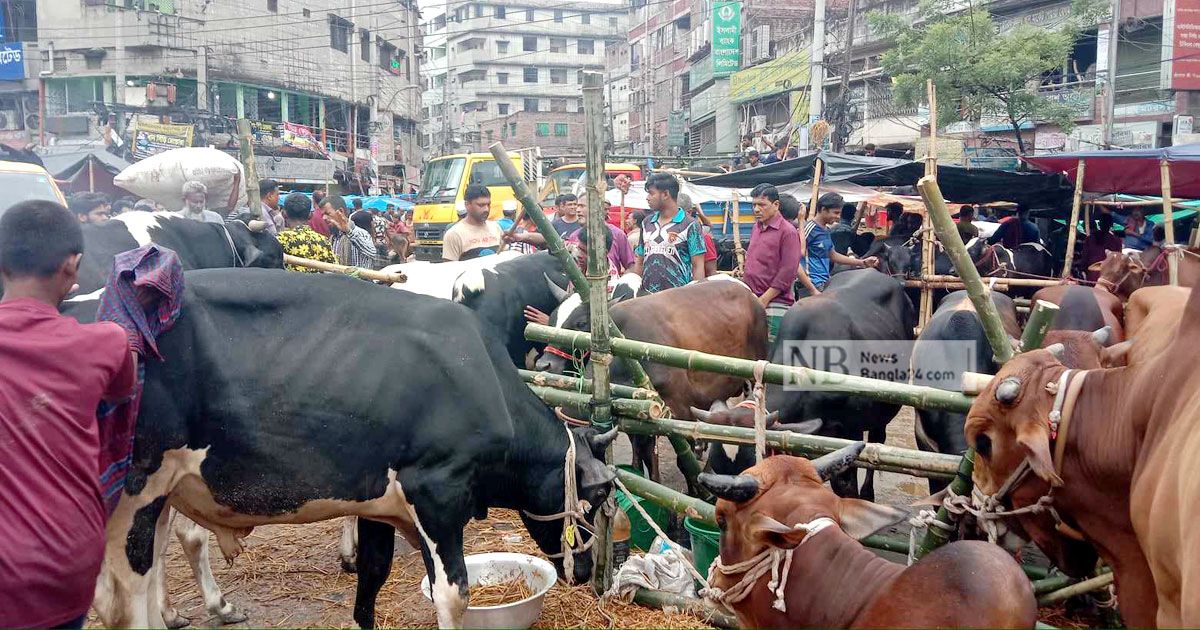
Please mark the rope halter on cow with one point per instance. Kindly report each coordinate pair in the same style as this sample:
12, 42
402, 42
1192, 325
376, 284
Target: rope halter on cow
989, 509
573, 514
773, 560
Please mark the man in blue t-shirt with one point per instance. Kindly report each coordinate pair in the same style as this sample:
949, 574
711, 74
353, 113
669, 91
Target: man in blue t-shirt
671, 252
820, 256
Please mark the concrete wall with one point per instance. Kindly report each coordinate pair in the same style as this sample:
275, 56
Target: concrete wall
526, 133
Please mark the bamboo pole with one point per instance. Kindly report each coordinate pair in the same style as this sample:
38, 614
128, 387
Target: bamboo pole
91, 174
673, 500
687, 462
1016, 282
1041, 317
369, 274
1135, 204
1169, 223
246, 154
582, 386
798, 376
811, 210
939, 214
874, 456
1079, 588
641, 409
663, 599
597, 275
927, 255
739, 252
1071, 226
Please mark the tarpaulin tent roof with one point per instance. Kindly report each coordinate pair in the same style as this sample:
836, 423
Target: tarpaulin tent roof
1134, 172
958, 183
63, 161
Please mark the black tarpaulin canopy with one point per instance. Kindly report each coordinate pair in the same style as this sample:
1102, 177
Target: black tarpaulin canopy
958, 183
1133, 172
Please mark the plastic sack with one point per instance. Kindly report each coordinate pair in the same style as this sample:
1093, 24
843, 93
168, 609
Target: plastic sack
663, 568
161, 177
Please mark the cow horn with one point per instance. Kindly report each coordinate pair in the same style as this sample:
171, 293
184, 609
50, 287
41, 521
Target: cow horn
1058, 350
773, 417
560, 293
1103, 336
700, 414
1008, 390
601, 441
736, 488
833, 463
256, 225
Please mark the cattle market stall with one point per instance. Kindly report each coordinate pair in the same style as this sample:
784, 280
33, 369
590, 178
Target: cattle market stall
630, 352
84, 168
1166, 172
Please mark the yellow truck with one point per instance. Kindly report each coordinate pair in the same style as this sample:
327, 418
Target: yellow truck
23, 182
440, 202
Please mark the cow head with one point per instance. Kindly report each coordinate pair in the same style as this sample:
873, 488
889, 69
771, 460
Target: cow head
575, 314
1009, 423
896, 257
761, 507
255, 248
1121, 274
593, 482
1082, 350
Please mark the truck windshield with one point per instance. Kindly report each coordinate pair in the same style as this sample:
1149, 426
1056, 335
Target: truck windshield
487, 173
441, 181
20, 187
562, 182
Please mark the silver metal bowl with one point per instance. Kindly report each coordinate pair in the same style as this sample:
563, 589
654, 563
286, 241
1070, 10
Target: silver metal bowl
490, 568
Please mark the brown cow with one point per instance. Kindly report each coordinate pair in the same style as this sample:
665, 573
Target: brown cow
1122, 274
1123, 478
1084, 308
779, 515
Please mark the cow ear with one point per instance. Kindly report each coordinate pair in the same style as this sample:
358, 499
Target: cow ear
860, 519
1036, 443
1116, 355
1095, 266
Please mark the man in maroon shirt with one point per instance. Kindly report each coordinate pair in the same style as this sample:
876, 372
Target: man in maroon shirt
773, 257
54, 371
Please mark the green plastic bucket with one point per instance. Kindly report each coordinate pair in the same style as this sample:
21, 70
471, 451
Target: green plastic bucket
706, 543
640, 533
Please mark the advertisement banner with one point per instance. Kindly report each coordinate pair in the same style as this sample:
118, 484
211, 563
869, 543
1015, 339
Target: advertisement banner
778, 76
12, 62
1183, 29
301, 137
727, 38
154, 138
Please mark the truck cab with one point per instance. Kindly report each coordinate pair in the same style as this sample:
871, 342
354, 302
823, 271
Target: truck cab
441, 201
563, 179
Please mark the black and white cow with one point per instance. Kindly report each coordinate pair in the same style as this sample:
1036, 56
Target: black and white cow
500, 294
199, 245
437, 279
862, 305
400, 410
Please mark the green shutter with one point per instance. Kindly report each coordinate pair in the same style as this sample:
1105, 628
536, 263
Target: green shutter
543, 129
560, 129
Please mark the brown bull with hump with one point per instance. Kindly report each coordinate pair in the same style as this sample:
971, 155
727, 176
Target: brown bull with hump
1122, 274
1114, 455
778, 518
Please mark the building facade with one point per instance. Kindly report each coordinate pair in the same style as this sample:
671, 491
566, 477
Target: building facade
500, 59
658, 74
343, 80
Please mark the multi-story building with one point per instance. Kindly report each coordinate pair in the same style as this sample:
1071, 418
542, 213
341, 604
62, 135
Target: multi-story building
345, 80
501, 59
616, 97
20, 65
659, 78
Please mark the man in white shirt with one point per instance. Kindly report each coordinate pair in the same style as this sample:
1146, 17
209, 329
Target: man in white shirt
474, 236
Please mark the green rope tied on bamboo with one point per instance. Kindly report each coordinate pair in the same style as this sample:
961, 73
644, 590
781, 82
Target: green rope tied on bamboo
353, 272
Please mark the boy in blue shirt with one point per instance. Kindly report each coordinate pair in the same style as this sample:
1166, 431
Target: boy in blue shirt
816, 266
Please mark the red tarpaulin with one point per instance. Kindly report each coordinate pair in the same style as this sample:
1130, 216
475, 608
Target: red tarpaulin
1135, 172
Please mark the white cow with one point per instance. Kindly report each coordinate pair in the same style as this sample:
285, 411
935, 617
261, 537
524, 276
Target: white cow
436, 279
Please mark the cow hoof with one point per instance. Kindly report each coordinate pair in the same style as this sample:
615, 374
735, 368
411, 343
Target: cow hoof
176, 620
232, 616
349, 566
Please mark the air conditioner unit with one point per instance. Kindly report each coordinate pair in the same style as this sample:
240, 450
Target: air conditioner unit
762, 43
9, 120
758, 123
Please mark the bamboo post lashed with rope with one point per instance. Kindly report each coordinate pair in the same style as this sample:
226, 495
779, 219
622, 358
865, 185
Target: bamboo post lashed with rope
358, 272
1169, 223
246, 154
811, 210
787, 375
1073, 223
597, 276
739, 252
927, 262
688, 463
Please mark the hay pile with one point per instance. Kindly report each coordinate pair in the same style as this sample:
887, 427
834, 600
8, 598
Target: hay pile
290, 576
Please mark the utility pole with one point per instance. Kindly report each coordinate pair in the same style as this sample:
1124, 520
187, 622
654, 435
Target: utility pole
841, 131
816, 68
1110, 89
446, 88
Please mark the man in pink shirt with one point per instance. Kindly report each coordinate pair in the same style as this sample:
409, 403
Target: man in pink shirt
54, 372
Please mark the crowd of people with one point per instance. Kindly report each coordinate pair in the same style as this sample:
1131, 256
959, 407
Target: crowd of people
321, 227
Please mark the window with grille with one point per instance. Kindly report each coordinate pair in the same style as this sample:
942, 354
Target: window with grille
558, 16
339, 33
364, 45
543, 129
531, 104
502, 78
531, 75
272, 5
560, 129
558, 104
587, 47
558, 75
529, 44
558, 44
528, 15
502, 47
502, 109
585, 18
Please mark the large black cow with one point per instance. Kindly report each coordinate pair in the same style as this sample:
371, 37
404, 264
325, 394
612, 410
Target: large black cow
859, 305
954, 321
199, 245
399, 410
499, 297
